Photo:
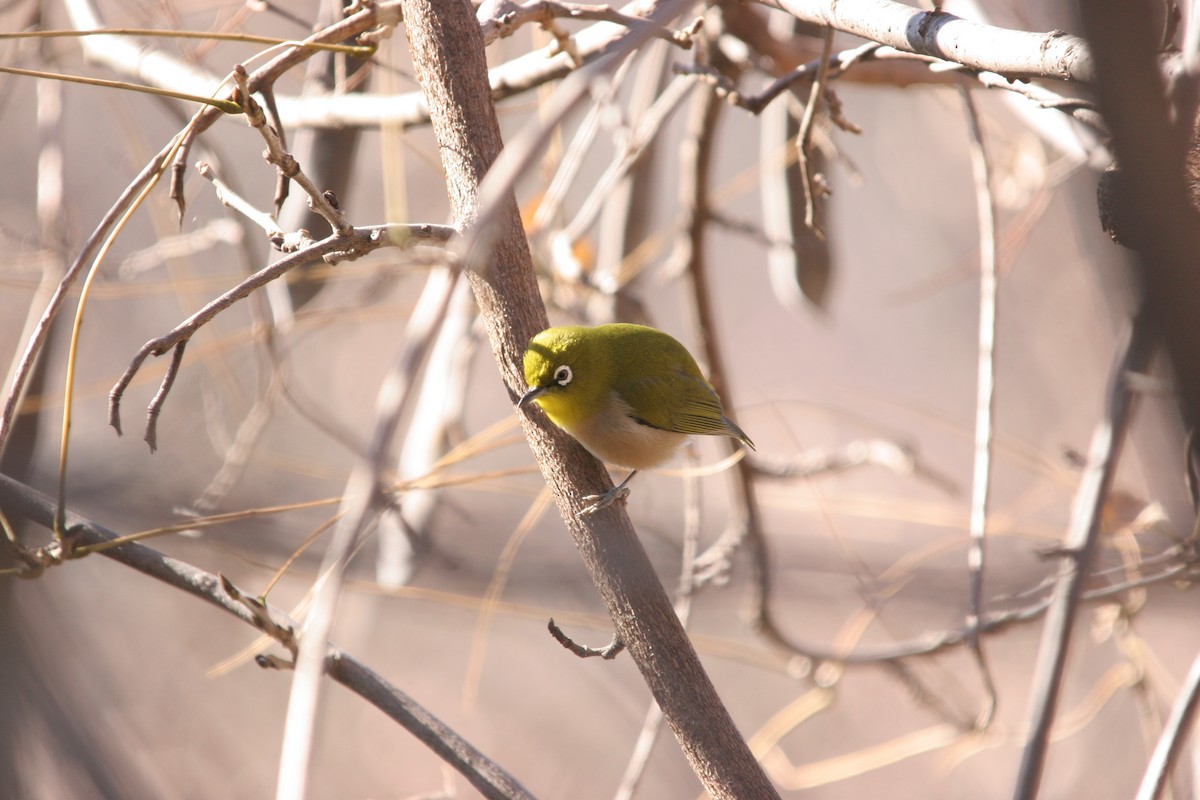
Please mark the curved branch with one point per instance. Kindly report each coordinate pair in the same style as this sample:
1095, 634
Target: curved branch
337, 247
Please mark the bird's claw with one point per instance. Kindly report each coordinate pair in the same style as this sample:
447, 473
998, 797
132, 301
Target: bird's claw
601, 501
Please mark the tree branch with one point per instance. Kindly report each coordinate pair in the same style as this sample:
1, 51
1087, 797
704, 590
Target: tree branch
1082, 539
482, 773
447, 49
1014, 54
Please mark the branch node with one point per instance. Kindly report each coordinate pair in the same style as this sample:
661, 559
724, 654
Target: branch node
608, 652
261, 616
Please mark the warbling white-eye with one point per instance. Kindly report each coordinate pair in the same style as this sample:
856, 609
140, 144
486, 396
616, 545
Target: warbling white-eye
628, 393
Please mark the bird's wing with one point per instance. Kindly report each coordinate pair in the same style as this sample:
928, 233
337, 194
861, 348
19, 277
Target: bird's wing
691, 407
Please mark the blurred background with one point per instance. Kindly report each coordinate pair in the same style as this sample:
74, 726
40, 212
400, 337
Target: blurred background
850, 357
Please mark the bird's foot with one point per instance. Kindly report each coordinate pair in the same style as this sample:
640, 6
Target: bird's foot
601, 501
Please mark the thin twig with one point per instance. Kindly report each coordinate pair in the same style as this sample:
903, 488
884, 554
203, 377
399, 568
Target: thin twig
804, 145
608, 652
646, 131
231, 199
984, 399
1082, 539
278, 155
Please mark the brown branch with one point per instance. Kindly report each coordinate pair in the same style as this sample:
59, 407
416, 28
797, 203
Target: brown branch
335, 248
447, 49
277, 154
482, 773
608, 652
808, 179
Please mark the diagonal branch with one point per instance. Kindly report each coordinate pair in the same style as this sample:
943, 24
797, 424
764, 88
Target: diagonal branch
482, 773
1083, 536
447, 49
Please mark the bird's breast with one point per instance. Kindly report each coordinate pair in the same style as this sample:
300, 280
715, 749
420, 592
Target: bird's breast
613, 435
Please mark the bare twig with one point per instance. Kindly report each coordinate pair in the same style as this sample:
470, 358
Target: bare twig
833, 64
1174, 736
335, 248
1081, 542
608, 652
231, 199
804, 144
278, 155
361, 503
984, 399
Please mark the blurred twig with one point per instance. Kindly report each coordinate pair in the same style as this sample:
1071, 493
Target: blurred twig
490, 599
361, 504
335, 248
1080, 545
984, 400
1174, 736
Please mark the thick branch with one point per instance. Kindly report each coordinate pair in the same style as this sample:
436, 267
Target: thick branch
447, 49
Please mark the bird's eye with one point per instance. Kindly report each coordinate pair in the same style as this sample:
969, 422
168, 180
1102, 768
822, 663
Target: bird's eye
563, 375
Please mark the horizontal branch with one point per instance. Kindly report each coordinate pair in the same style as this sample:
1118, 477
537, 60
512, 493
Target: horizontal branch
1014, 54
975, 45
19, 500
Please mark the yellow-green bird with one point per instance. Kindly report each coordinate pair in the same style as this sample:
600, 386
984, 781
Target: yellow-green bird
630, 394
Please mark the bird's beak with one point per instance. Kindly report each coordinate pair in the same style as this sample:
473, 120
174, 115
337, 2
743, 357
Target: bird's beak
532, 394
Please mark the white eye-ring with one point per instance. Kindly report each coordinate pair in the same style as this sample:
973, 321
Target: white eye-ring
563, 375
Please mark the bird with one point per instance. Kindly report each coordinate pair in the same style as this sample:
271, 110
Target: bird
630, 394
